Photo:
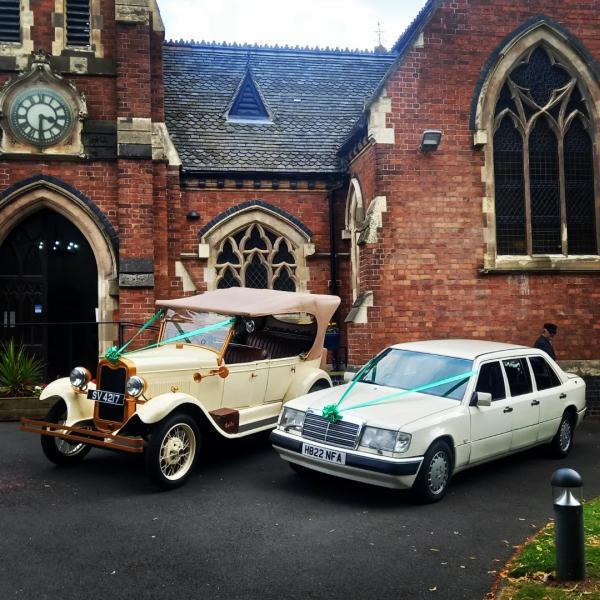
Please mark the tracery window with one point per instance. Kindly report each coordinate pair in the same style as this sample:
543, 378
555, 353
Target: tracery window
543, 161
256, 257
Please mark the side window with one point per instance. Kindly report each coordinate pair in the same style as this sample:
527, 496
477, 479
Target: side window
545, 377
490, 380
517, 373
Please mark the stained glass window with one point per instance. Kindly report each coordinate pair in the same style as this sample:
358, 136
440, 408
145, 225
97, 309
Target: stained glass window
543, 161
257, 257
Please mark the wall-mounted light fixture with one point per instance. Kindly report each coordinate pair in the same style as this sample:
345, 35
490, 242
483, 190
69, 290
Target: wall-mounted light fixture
192, 216
430, 140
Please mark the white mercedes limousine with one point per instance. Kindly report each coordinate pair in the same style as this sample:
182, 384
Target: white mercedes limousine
418, 412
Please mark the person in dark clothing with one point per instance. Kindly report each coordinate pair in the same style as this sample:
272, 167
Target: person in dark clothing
544, 342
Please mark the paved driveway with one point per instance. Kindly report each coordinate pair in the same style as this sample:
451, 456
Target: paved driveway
245, 526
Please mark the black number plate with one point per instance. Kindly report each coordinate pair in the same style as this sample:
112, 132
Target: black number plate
106, 397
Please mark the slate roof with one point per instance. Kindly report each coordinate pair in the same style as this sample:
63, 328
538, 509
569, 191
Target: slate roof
315, 98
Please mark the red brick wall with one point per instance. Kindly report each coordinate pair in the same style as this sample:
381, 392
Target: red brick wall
131, 193
308, 206
425, 267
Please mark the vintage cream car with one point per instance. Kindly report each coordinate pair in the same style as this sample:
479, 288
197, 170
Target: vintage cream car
421, 411
224, 364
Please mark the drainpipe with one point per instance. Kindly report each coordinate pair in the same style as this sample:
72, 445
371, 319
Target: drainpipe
333, 286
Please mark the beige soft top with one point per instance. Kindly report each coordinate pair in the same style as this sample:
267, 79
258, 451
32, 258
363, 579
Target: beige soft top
250, 302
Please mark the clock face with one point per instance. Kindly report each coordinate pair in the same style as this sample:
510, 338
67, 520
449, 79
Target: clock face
40, 116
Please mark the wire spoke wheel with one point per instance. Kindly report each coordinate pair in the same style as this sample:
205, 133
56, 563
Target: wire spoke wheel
172, 450
177, 451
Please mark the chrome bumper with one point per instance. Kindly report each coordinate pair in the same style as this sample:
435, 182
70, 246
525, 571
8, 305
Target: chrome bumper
360, 466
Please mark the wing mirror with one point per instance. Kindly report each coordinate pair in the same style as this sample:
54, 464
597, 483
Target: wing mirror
481, 399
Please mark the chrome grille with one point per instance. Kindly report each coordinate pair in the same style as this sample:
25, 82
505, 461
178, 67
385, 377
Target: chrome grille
342, 433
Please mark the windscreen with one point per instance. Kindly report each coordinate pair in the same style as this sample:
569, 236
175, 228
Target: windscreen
186, 321
408, 370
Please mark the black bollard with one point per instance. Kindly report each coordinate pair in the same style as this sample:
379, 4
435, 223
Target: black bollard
570, 542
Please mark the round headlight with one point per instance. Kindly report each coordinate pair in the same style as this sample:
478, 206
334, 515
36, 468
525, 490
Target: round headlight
79, 377
135, 386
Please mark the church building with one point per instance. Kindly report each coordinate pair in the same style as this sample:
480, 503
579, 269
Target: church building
448, 187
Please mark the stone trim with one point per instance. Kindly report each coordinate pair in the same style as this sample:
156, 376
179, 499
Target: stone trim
40, 71
539, 21
373, 220
136, 265
30, 195
358, 313
163, 148
59, 45
251, 204
23, 49
132, 11
186, 279
378, 131
134, 137
27, 186
136, 280
536, 31
254, 212
355, 214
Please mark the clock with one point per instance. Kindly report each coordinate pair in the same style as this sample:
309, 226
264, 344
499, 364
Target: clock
40, 116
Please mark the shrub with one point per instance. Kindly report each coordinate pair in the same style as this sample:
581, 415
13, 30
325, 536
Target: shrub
20, 372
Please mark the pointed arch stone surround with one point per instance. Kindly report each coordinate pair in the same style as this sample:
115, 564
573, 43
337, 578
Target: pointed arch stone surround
535, 32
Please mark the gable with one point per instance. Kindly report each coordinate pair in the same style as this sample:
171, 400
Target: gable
248, 103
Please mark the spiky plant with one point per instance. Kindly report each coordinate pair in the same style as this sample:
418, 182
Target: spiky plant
20, 372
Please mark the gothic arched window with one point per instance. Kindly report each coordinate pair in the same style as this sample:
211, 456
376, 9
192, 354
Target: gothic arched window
256, 257
543, 161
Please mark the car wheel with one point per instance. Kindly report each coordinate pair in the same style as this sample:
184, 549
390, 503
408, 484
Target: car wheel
434, 475
319, 385
61, 452
563, 440
172, 450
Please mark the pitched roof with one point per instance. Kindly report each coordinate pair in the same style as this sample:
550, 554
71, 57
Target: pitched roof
315, 97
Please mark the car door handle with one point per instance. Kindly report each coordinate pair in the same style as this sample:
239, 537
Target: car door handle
562, 396
535, 402
508, 409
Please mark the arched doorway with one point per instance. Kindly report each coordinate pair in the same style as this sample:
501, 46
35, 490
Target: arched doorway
48, 275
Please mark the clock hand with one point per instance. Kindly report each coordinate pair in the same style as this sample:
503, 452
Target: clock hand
41, 120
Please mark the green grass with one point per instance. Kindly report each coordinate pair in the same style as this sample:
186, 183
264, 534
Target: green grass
530, 575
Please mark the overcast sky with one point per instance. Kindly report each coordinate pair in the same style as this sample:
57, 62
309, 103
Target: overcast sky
334, 23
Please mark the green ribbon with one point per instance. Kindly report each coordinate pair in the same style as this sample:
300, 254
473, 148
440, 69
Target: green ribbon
113, 353
332, 412
188, 334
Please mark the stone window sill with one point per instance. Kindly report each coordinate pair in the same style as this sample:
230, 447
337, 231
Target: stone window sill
549, 263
